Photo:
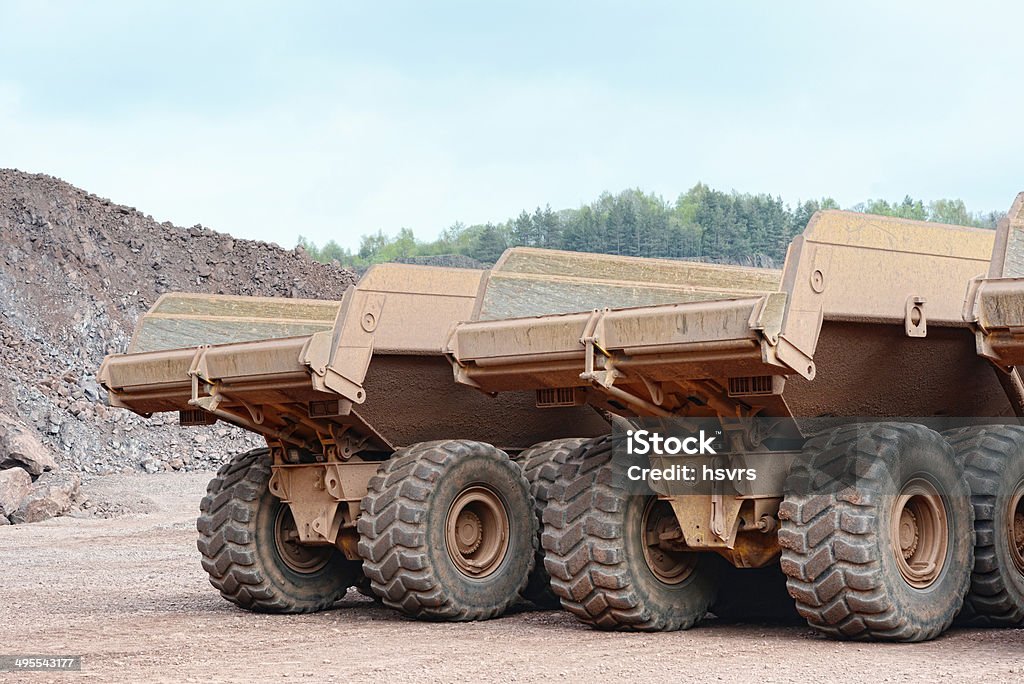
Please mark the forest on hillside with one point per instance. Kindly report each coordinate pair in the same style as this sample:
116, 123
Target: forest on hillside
702, 223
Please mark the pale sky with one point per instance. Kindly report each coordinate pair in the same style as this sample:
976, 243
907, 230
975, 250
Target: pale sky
272, 119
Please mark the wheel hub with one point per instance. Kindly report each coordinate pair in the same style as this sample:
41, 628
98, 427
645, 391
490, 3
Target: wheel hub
667, 565
1015, 527
469, 532
477, 531
920, 533
908, 533
302, 558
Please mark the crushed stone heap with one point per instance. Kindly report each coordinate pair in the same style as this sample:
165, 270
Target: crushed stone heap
76, 272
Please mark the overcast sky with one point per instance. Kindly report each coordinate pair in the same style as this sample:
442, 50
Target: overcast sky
267, 120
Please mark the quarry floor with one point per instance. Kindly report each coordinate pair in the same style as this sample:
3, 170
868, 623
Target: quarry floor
128, 594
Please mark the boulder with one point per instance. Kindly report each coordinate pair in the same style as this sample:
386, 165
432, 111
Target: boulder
19, 447
15, 485
151, 465
51, 495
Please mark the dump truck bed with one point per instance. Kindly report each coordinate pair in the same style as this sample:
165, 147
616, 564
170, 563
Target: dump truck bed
536, 282
244, 339
300, 370
247, 366
861, 297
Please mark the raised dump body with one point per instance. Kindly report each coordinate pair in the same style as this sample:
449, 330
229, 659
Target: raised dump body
866, 321
300, 371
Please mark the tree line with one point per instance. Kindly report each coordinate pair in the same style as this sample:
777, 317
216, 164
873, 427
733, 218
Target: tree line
702, 223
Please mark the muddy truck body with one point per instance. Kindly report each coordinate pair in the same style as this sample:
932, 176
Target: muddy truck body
874, 393
444, 439
380, 470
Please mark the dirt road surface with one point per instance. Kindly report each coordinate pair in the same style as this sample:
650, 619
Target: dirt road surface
129, 595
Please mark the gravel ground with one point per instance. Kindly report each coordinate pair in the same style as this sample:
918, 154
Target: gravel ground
129, 595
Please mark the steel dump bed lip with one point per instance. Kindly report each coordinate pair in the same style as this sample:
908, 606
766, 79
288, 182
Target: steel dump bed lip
162, 381
663, 342
995, 304
623, 329
997, 311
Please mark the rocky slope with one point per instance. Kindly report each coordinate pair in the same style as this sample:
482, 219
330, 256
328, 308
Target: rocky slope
76, 271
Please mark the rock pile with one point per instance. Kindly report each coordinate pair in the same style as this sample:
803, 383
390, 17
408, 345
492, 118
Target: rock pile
76, 272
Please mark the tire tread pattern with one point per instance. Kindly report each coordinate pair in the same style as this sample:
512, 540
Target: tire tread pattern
393, 540
228, 541
829, 539
986, 452
583, 546
541, 464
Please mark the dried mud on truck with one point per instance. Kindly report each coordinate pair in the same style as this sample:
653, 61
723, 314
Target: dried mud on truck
450, 441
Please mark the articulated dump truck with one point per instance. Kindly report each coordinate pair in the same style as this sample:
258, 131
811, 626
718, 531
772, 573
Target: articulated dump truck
453, 496
380, 471
884, 528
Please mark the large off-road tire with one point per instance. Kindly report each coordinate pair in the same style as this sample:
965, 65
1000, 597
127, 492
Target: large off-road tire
877, 533
448, 532
754, 595
248, 542
541, 464
993, 457
601, 568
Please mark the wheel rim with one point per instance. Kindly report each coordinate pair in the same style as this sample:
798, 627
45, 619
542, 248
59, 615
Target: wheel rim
302, 558
668, 567
920, 533
477, 531
1015, 526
